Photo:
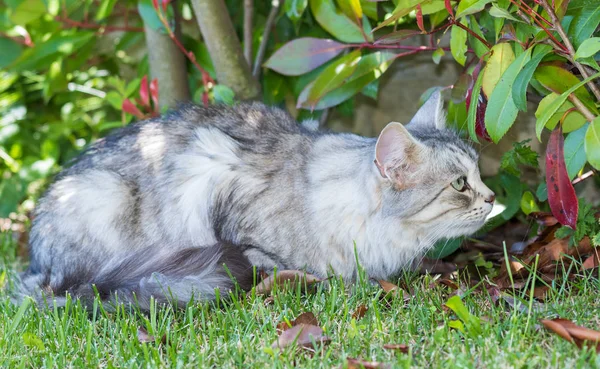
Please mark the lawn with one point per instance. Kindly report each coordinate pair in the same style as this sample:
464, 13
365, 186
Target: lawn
239, 332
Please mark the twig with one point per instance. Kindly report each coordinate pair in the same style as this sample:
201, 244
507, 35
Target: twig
537, 19
100, 27
248, 18
589, 116
584, 176
481, 39
275, 4
570, 49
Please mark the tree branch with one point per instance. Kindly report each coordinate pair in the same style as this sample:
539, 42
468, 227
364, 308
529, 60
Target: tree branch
167, 64
589, 116
248, 18
275, 4
224, 48
570, 49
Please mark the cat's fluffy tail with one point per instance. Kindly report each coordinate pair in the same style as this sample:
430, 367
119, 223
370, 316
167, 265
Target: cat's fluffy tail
174, 277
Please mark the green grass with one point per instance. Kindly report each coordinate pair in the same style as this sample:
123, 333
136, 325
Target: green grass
238, 333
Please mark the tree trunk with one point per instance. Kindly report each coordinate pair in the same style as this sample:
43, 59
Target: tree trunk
225, 48
168, 65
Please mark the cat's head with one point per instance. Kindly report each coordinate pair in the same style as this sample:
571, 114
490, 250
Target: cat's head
430, 176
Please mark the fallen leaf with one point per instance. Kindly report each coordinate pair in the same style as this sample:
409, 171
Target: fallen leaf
302, 335
573, 333
281, 278
543, 218
144, 337
392, 290
360, 311
593, 261
435, 266
269, 300
363, 364
307, 318
396, 346
448, 283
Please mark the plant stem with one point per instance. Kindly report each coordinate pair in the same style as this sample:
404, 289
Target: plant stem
248, 18
589, 116
583, 177
275, 4
481, 39
570, 49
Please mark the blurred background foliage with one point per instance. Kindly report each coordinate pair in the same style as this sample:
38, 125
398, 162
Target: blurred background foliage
72, 70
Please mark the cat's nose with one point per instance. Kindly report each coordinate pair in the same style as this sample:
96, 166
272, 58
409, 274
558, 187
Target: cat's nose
491, 198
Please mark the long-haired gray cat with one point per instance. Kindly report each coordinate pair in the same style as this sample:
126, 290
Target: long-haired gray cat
158, 207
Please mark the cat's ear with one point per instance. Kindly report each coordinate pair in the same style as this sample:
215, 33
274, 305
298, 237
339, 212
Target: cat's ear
397, 154
431, 113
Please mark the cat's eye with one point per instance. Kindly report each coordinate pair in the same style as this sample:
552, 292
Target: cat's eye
460, 184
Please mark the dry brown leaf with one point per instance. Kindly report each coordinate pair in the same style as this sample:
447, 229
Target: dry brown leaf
293, 277
543, 218
360, 311
593, 261
144, 337
302, 335
448, 283
396, 346
363, 364
269, 300
307, 318
573, 333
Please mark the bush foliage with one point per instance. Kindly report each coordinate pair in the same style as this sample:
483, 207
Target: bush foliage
72, 70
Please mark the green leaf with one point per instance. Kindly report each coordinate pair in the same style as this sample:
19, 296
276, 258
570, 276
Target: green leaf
592, 143
333, 77
223, 94
466, 7
105, 9
528, 204
403, 8
501, 58
519, 91
302, 55
10, 52
479, 47
574, 149
31, 340
335, 21
520, 154
584, 23
559, 80
497, 12
588, 48
369, 68
148, 14
472, 109
444, 248
28, 11
294, 9
542, 192
458, 44
472, 323
351, 8
549, 112
56, 46
501, 110
437, 55
572, 121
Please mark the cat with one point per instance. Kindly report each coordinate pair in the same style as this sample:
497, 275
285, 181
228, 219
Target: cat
158, 207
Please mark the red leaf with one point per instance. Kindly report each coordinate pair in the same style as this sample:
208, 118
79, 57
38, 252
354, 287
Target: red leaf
155, 4
154, 93
420, 19
449, 7
561, 194
144, 91
480, 129
165, 3
129, 107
